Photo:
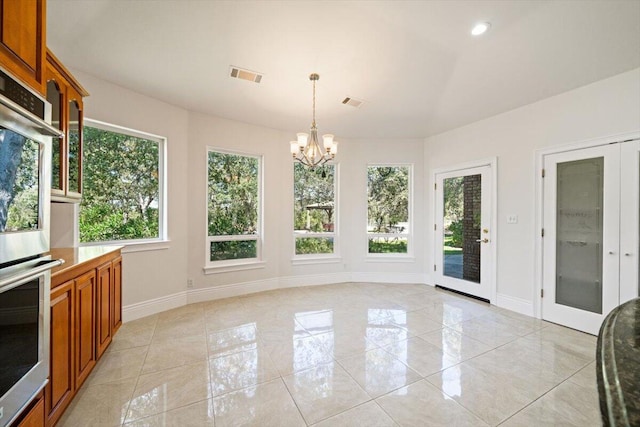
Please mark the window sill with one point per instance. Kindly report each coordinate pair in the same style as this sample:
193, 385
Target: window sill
387, 258
130, 247
316, 260
225, 268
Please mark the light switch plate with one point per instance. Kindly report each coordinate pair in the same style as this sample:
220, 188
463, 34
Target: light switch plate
512, 219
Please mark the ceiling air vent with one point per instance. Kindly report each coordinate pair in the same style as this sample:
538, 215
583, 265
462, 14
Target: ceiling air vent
352, 102
239, 73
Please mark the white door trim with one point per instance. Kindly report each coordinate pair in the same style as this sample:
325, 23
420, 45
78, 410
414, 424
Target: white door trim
492, 162
539, 203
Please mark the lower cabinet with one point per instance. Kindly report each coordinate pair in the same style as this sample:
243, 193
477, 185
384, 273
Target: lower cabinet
86, 310
34, 414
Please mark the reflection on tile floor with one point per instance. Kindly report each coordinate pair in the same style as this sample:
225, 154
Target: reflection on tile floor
351, 354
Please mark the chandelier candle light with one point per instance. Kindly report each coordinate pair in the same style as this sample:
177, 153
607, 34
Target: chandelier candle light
309, 151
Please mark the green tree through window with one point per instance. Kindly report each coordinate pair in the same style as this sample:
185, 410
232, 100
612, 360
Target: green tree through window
121, 187
233, 206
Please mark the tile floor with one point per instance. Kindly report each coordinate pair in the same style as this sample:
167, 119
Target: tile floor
355, 354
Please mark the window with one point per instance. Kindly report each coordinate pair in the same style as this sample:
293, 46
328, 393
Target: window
388, 224
233, 207
123, 185
314, 210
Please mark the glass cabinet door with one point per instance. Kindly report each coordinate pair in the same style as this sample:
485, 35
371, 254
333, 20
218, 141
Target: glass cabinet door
54, 96
75, 147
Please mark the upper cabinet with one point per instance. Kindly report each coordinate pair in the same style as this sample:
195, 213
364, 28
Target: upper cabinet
22, 40
65, 95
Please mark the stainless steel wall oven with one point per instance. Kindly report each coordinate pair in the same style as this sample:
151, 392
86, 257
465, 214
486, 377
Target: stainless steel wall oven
25, 278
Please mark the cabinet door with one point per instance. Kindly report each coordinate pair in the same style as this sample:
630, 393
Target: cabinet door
103, 326
85, 288
56, 96
35, 417
22, 40
74, 144
59, 390
116, 295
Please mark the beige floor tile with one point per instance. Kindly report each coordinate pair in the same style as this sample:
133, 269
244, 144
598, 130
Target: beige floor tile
103, 405
416, 322
421, 404
569, 404
455, 344
175, 352
169, 389
487, 331
198, 414
118, 365
346, 342
324, 391
379, 372
300, 353
240, 370
241, 338
137, 333
490, 397
421, 356
482, 363
368, 414
265, 405
586, 377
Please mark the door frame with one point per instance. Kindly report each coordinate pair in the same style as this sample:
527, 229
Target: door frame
539, 203
492, 162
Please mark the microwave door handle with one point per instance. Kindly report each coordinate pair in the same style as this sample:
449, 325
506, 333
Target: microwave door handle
16, 279
36, 122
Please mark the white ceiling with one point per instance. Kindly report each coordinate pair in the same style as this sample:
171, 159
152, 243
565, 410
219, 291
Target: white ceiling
414, 63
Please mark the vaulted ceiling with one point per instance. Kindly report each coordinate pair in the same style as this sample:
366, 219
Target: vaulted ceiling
414, 63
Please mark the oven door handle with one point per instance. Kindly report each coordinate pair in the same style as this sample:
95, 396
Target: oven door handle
16, 279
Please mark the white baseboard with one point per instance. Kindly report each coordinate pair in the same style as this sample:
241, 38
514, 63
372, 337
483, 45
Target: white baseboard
389, 277
518, 305
231, 290
156, 305
314, 280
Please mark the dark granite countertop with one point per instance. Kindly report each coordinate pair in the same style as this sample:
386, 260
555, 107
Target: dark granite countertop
618, 366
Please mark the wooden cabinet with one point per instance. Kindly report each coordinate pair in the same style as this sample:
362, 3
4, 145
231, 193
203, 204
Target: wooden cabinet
86, 310
61, 374
65, 95
85, 338
33, 416
116, 295
103, 324
23, 40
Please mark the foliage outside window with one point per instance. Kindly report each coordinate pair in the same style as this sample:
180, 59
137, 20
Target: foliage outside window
233, 207
314, 209
122, 198
388, 224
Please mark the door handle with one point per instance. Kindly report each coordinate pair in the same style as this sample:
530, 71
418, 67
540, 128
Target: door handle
485, 240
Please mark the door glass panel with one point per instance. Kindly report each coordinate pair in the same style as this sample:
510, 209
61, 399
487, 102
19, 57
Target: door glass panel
53, 96
74, 147
579, 229
462, 215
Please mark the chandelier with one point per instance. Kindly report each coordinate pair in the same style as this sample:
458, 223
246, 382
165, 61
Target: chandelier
307, 149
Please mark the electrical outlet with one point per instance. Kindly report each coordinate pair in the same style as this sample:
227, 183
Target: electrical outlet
512, 219
190, 284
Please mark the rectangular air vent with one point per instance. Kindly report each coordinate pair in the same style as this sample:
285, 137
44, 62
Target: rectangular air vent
239, 73
352, 102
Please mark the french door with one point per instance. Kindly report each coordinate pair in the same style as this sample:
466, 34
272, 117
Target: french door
590, 238
464, 238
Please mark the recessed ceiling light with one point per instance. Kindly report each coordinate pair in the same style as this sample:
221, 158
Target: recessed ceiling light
480, 28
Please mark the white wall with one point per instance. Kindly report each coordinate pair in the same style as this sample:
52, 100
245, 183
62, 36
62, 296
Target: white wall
150, 274
604, 108
607, 107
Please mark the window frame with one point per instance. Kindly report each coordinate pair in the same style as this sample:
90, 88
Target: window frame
147, 243
334, 257
242, 263
400, 257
